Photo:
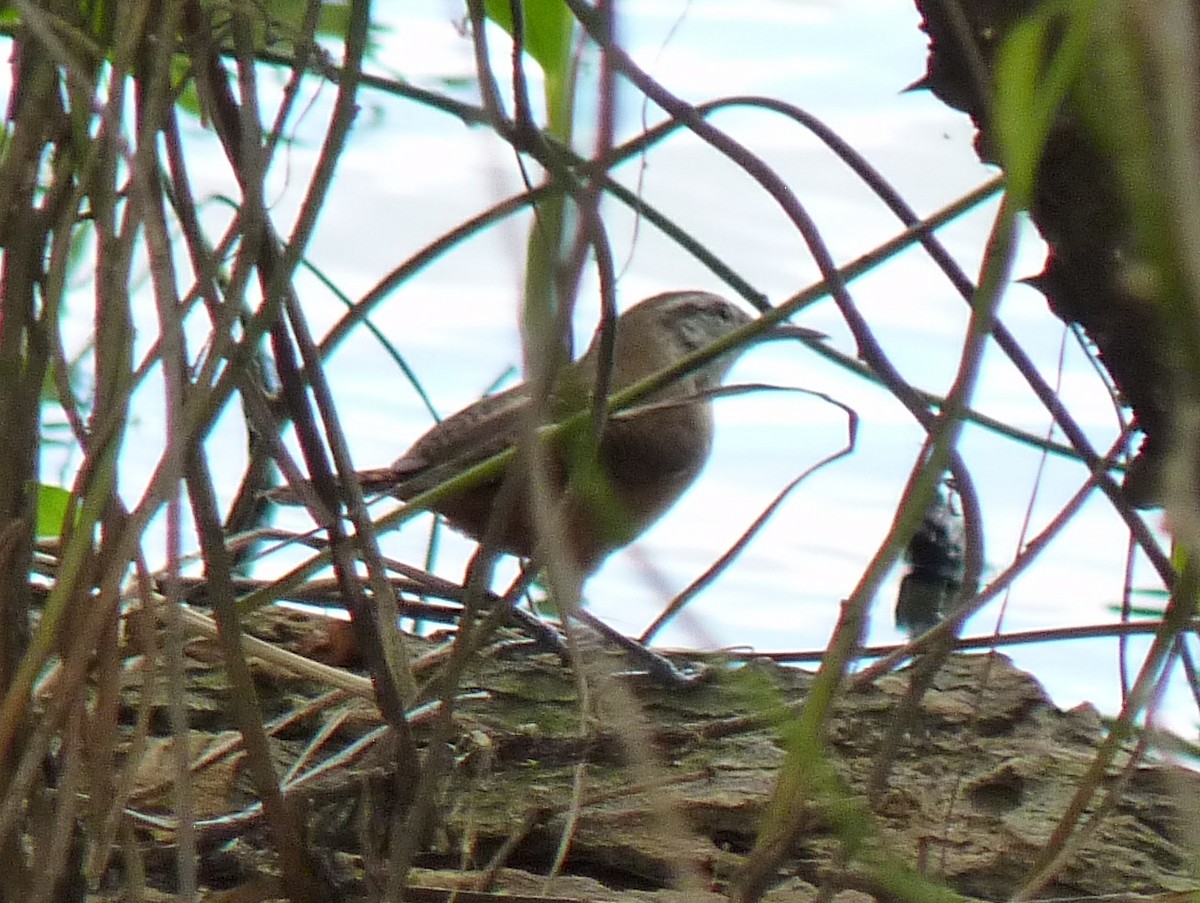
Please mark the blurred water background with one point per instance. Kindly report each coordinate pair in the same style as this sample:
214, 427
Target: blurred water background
412, 173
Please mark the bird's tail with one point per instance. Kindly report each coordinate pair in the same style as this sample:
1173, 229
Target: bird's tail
374, 482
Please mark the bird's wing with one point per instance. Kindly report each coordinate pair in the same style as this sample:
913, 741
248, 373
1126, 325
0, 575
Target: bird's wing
462, 440
477, 432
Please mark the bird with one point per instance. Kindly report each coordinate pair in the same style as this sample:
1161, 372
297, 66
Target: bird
603, 491
648, 455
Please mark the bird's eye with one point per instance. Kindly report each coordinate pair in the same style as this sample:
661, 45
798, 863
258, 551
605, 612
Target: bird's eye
717, 313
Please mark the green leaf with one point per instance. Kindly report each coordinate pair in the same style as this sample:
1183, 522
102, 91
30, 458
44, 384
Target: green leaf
52, 505
548, 28
188, 99
1036, 67
332, 20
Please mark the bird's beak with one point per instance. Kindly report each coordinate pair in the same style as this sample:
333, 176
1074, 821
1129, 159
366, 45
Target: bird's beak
789, 331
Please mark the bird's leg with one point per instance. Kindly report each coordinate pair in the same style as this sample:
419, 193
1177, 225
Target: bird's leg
505, 608
539, 631
659, 667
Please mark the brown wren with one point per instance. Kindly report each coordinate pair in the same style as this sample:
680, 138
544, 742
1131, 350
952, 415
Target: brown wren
647, 454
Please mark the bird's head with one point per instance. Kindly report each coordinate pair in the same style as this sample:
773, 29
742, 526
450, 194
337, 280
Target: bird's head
663, 330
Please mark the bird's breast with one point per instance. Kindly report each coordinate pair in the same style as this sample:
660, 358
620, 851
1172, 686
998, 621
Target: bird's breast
651, 458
